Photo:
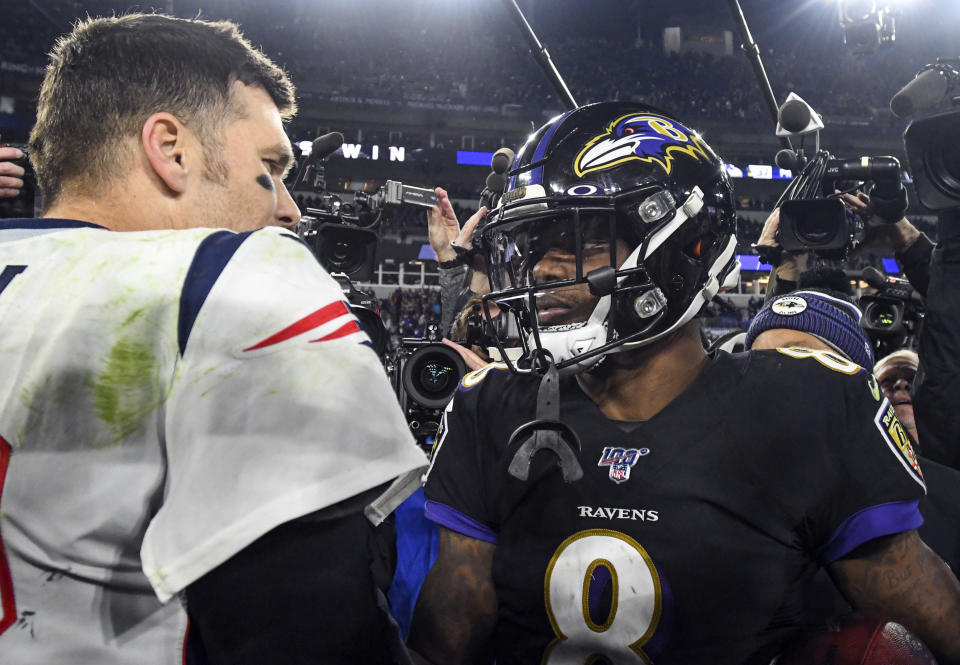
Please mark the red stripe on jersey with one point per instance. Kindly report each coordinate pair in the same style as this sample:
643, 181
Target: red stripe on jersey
309, 322
347, 328
8, 607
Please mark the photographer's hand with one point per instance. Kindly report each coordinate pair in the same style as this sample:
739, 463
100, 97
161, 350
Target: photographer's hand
791, 265
472, 359
442, 226
880, 233
11, 175
465, 237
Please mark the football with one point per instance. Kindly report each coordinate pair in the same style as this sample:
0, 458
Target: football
857, 639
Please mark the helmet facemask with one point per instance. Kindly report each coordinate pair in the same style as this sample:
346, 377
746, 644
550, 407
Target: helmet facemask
573, 278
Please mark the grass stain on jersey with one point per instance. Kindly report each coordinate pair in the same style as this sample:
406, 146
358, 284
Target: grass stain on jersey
126, 391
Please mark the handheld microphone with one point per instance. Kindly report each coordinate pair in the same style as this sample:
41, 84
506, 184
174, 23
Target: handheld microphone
496, 182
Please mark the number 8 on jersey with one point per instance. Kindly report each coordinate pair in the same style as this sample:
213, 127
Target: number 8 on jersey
574, 589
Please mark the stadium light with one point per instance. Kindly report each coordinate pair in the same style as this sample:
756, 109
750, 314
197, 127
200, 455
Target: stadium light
866, 24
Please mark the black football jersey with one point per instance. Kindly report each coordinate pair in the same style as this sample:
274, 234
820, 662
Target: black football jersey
689, 536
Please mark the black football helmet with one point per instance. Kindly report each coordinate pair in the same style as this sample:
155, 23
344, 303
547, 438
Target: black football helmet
616, 226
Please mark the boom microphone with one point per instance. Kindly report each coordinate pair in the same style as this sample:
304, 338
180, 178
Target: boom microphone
794, 116
502, 159
321, 148
789, 159
924, 91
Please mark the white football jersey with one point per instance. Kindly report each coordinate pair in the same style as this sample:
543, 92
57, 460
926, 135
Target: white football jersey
166, 398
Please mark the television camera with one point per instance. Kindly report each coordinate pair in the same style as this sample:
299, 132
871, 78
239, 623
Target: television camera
893, 315
933, 143
342, 231
866, 25
813, 216
425, 374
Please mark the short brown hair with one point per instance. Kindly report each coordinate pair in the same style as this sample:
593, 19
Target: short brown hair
110, 74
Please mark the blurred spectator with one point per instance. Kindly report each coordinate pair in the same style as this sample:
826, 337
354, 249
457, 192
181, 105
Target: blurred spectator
407, 312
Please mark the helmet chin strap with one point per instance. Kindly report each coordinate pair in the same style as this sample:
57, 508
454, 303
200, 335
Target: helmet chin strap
566, 344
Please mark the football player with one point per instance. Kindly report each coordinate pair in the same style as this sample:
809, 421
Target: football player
621, 497
186, 412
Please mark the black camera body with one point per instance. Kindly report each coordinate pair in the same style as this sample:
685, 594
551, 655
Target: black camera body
425, 375
933, 153
814, 219
343, 233
893, 316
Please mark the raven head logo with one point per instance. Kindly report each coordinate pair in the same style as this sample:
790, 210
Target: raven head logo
646, 137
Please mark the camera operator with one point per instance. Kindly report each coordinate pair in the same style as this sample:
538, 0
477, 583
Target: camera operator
934, 272
912, 248
11, 175
190, 409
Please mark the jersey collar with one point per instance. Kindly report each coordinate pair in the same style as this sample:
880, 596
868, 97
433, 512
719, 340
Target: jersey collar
46, 223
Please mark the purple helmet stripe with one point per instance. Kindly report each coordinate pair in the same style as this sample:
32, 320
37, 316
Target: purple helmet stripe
536, 176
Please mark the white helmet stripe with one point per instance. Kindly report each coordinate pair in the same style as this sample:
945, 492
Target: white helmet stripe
709, 290
689, 209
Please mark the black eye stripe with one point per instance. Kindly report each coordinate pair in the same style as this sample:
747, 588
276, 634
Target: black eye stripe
265, 181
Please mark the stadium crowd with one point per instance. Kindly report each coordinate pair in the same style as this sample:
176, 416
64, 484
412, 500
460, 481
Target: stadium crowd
424, 62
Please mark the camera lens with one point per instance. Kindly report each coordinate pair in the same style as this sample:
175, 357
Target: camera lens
883, 316
945, 169
343, 256
435, 376
346, 249
816, 231
431, 374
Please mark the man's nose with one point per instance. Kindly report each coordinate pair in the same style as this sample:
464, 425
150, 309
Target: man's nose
287, 213
554, 266
902, 384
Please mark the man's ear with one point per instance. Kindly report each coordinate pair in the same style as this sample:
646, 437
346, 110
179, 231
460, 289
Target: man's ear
164, 140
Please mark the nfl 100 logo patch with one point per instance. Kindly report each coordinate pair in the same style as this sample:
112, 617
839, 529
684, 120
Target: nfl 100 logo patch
620, 460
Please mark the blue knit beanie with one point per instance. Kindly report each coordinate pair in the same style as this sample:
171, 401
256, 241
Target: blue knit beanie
829, 315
